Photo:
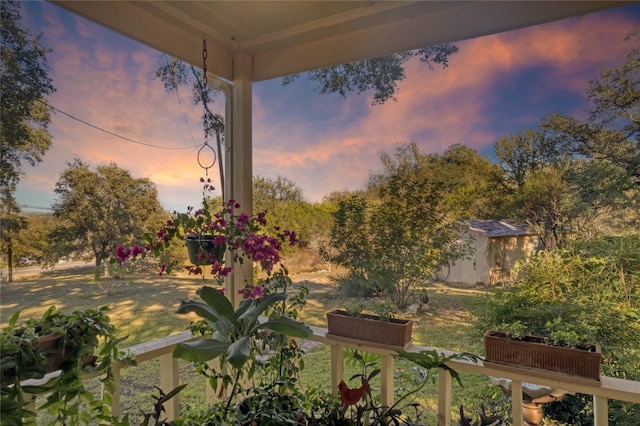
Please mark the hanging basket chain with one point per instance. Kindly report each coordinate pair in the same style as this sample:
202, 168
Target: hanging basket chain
207, 166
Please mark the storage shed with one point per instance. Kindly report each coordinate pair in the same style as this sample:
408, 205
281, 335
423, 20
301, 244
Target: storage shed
496, 246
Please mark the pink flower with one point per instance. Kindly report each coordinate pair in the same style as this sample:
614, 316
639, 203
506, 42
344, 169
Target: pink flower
136, 250
257, 292
252, 292
122, 254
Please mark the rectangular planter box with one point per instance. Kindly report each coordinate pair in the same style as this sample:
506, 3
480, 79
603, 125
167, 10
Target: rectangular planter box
395, 333
537, 353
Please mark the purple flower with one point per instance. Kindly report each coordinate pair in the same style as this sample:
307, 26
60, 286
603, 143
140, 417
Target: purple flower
252, 292
122, 254
257, 292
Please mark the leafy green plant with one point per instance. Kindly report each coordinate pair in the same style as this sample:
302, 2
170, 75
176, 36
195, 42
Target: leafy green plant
587, 292
384, 309
515, 330
83, 335
354, 309
404, 410
232, 335
400, 234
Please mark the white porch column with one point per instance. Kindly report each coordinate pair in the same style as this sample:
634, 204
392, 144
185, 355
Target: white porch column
239, 172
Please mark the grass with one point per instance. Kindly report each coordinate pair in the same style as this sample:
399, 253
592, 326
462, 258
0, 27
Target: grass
143, 305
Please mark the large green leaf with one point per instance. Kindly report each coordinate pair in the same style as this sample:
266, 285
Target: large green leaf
244, 305
239, 351
205, 311
201, 309
258, 308
288, 326
200, 351
219, 302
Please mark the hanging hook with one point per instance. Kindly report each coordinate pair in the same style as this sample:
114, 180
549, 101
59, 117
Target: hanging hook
213, 161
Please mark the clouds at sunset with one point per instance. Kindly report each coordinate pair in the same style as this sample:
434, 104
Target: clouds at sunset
495, 85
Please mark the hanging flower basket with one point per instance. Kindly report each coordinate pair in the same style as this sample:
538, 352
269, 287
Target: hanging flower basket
539, 353
203, 251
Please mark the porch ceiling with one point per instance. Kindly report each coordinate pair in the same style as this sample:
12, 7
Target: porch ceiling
285, 37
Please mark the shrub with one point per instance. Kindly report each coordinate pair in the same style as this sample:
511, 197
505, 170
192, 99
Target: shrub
592, 291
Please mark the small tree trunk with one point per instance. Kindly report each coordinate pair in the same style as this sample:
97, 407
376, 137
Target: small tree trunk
9, 262
96, 272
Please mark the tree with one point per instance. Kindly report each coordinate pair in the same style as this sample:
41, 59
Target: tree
399, 238
11, 222
23, 128
576, 178
381, 74
523, 153
31, 245
98, 210
268, 193
547, 202
608, 139
468, 181
590, 289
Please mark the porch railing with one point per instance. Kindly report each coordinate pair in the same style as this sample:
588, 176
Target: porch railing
604, 390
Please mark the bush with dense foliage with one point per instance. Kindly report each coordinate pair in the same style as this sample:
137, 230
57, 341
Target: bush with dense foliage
591, 290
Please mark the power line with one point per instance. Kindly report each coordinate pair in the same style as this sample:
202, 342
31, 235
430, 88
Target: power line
112, 133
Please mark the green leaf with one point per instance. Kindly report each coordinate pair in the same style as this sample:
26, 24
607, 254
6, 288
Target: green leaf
257, 309
244, 305
219, 302
239, 351
289, 327
173, 393
200, 351
205, 311
13, 320
35, 390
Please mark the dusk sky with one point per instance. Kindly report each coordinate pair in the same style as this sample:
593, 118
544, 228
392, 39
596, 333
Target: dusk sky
494, 86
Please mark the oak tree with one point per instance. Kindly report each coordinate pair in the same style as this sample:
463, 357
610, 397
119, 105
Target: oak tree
97, 210
23, 129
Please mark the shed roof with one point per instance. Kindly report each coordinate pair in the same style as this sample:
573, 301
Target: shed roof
499, 228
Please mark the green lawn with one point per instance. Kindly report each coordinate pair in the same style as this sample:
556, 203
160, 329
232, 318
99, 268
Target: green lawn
143, 306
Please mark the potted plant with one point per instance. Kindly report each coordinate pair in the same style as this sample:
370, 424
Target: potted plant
381, 327
250, 341
562, 352
77, 342
241, 339
211, 233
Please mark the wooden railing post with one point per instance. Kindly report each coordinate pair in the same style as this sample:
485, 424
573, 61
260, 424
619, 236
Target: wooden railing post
516, 402
444, 397
337, 367
169, 380
600, 411
386, 380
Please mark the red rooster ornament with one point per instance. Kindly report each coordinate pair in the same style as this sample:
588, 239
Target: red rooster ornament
352, 396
